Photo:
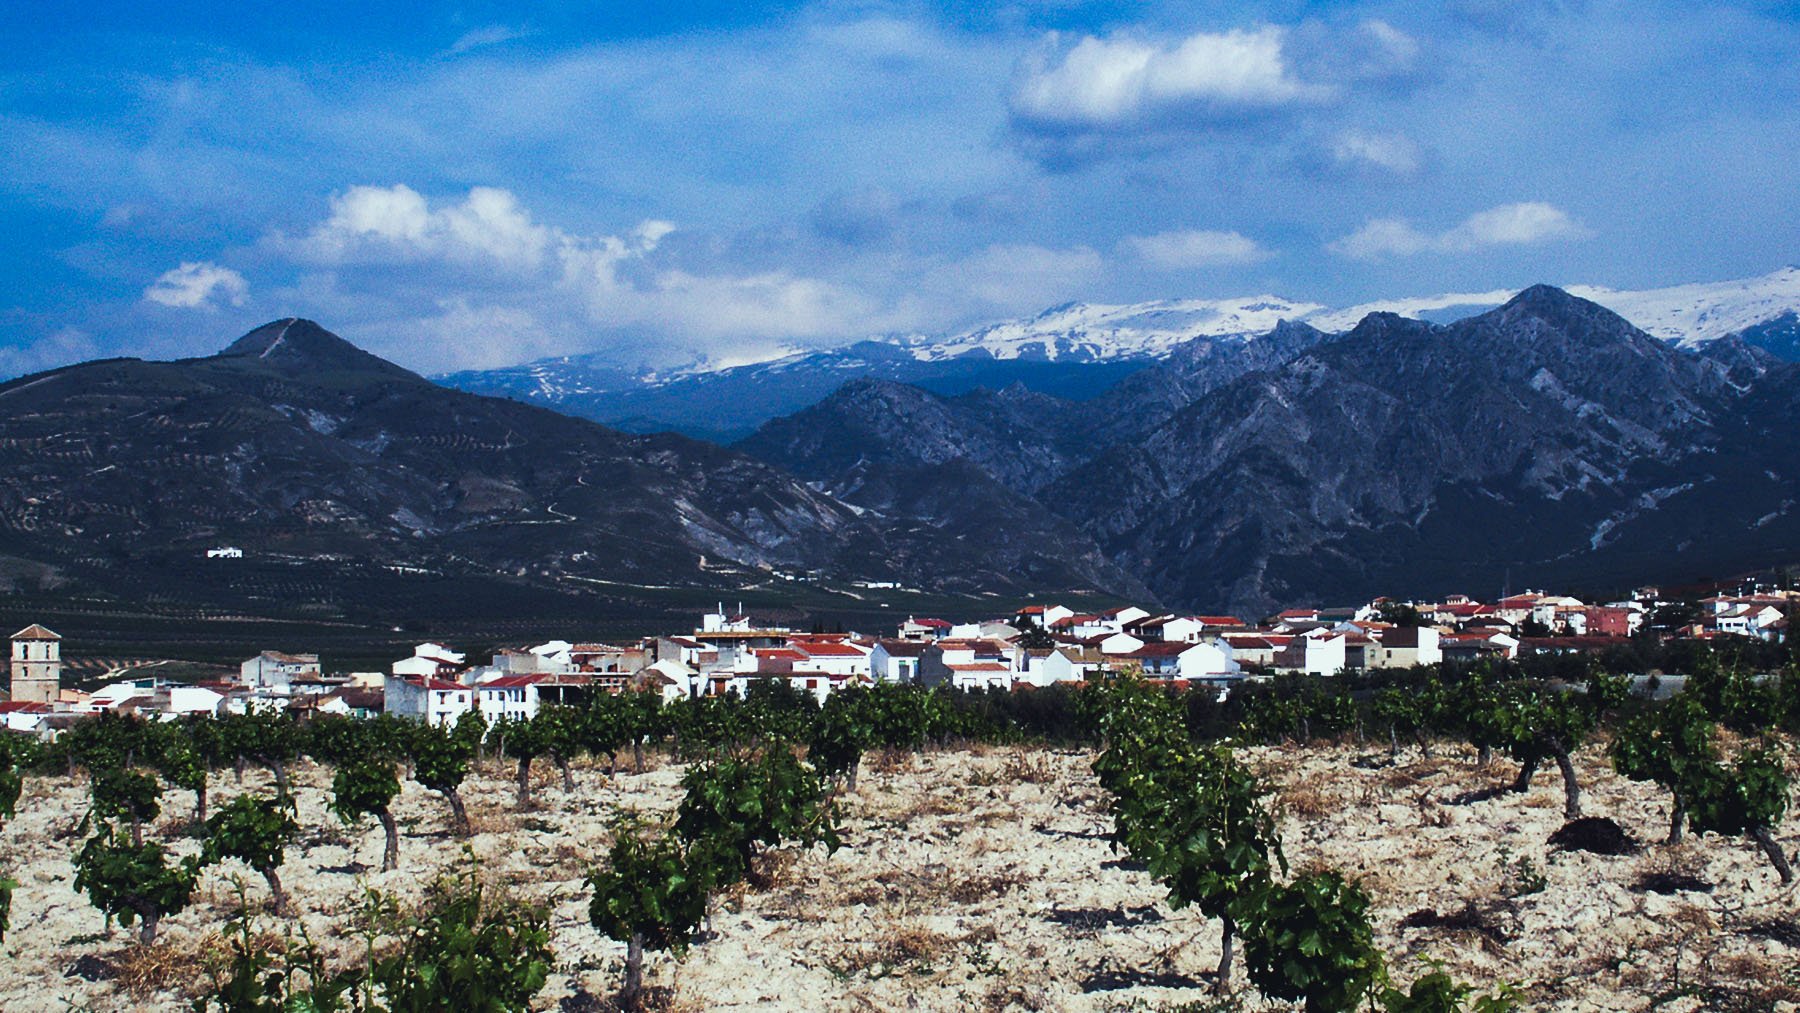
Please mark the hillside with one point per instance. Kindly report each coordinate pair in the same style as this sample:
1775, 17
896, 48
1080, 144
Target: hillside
297, 447
1546, 440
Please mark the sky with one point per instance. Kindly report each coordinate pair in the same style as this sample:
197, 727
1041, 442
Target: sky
472, 185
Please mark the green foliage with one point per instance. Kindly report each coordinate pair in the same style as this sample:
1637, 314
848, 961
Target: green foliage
1310, 940
441, 756
11, 784
1735, 697
126, 794
12, 781
737, 803
366, 788
7, 886
293, 979
256, 831
779, 711
464, 951
363, 788
1749, 795
133, 881
461, 950
653, 886
1665, 745
1297, 708
1438, 992
843, 731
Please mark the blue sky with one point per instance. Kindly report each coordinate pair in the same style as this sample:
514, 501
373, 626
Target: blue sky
473, 185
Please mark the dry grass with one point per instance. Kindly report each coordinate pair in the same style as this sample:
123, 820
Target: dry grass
1304, 799
889, 762
978, 888
143, 971
1034, 767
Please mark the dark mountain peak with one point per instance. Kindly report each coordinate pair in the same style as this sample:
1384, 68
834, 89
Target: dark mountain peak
874, 388
296, 344
1384, 325
1293, 328
1567, 313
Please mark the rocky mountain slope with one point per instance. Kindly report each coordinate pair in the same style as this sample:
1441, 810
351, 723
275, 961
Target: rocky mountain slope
1548, 439
1077, 351
292, 443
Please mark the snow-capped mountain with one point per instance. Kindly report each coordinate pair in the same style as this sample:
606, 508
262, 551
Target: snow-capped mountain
1691, 315
1089, 332
1077, 350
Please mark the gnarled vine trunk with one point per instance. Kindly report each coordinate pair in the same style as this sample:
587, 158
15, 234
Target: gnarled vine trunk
459, 816
524, 780
390, 855
1571, 787
1771, 847
632, 995
1222, 981
278, 899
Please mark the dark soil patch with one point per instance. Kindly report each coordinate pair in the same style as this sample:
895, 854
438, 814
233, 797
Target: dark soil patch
1596, 835
1110, 979
351, 869
1077, 835
1667, 883
1104, 918
1776, 930
91, 967
1479, 795
1124, 865
1468, 918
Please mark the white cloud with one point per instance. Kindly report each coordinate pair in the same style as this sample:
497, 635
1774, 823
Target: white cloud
480, 38
1196, 248
610, 281
195, 284
1013, 277
60, 348
1522, 224
487, 226
1393, 153
1100, 83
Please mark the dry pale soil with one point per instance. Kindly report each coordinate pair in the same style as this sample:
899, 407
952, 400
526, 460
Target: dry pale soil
983, 879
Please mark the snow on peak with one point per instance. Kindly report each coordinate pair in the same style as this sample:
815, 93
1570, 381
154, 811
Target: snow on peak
1695, 314
1086, 332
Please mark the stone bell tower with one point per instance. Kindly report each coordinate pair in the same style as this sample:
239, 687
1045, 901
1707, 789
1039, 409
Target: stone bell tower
36, 665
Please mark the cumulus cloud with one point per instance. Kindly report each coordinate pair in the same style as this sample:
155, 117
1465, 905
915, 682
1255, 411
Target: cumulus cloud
1196, 248
1522, 224
487, 226
511, 274
196, 285
1121, 81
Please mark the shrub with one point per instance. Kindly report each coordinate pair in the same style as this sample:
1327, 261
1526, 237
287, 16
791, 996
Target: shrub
1310, 941
133, 881
734, 805
256, 832
650, 895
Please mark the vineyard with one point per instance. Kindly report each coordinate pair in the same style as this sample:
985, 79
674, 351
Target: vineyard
1465, 840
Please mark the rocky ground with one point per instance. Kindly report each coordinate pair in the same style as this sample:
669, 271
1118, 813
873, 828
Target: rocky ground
983, 879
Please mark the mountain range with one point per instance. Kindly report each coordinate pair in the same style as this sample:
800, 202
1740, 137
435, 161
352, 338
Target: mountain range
1075, 351
1547, 440
298, 447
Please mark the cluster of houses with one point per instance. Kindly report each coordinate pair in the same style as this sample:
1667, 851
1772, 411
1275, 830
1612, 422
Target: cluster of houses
1038, 646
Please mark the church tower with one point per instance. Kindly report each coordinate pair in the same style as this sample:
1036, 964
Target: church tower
36, 665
